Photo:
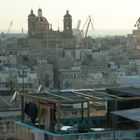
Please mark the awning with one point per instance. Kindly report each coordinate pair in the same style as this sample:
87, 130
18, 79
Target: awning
131, 114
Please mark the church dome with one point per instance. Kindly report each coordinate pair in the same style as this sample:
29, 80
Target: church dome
42, 19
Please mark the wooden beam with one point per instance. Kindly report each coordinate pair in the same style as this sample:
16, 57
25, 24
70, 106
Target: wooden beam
39, 98
114, 96
85, 95
22, 108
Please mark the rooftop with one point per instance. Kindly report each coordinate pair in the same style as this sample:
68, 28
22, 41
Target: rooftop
75, 112
77, 96
126, 91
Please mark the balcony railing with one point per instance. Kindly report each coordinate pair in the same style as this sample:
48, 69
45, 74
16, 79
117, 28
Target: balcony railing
95, 134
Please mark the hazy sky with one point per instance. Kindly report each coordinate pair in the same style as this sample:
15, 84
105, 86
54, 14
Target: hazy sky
107, 14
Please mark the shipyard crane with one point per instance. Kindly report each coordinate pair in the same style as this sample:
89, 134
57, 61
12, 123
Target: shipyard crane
88, 22
9, 29
137, 24
6, 36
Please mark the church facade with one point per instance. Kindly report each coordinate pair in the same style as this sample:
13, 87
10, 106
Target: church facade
39, 27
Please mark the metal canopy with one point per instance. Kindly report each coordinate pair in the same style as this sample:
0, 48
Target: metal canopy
86, 95
77, 96
131, 114
126, 91
94, 94
59, 96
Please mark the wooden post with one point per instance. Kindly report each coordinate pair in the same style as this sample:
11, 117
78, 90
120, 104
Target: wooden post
22, 108
58, 117
82, 111
88, 114
88, 109
39, 114
114, 120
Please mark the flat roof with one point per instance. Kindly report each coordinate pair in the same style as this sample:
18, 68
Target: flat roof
131, 114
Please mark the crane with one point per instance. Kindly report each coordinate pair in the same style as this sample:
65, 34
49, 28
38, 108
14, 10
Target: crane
6, 36
88, 22
10, 27
137, 23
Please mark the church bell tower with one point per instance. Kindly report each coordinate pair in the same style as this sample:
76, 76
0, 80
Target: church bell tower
67, 25
31, 24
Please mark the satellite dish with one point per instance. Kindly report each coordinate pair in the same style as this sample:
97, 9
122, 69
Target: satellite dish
6, 102
14, 97
39, 88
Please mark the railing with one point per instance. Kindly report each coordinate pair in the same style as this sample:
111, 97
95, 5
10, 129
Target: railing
94, 134
110, 135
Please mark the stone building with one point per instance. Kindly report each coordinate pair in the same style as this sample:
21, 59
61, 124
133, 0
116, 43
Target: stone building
67, 25
47, 44
37, 25
44, 42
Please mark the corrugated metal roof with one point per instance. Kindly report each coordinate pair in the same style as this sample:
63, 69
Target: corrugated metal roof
131, 91
131, 114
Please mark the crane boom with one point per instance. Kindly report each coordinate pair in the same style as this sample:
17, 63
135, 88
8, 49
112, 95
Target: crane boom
9, 27
88, 21
92, 25
87, 27
85, 22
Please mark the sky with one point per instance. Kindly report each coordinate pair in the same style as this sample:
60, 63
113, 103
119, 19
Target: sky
106, 14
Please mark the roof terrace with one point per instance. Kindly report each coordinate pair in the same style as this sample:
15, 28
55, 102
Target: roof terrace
78, 112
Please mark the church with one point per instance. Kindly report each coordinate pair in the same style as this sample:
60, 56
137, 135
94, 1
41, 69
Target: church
46, 43
39, 27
